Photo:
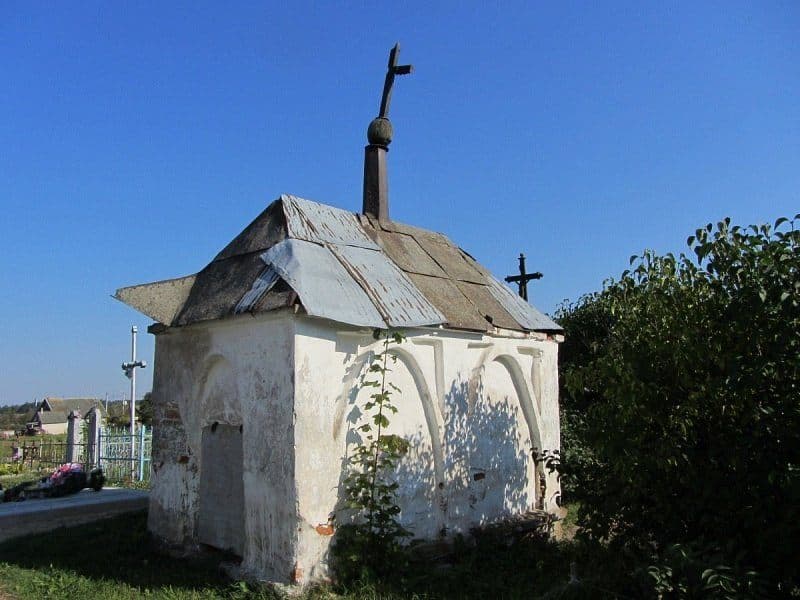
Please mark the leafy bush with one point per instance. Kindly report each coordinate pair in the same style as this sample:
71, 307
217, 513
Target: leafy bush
10, 469
683, 570
681, 412
587, 325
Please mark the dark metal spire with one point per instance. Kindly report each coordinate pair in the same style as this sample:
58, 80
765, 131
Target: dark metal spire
379, 136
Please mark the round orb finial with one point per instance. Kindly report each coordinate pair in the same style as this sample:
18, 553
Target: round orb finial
380, 132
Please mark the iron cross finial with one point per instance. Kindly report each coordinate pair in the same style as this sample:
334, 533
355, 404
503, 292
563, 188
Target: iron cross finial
394, 69
523, 278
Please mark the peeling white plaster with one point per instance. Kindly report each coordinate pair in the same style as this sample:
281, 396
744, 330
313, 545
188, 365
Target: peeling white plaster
473, 407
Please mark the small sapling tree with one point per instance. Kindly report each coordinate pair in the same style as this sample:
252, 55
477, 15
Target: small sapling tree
371, 546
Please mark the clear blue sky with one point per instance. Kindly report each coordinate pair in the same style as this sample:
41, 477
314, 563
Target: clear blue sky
136, 139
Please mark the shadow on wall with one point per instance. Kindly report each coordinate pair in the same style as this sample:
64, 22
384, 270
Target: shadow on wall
416, 471
487, 456
488, 472
420, 498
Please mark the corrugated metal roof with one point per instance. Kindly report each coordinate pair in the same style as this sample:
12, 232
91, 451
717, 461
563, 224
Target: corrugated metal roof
344, 267
399, 301
319, 223
263, 283
525, 314
325, 288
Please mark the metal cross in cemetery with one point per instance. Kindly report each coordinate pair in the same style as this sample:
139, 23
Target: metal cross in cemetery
394, 69
130, 372
523, 278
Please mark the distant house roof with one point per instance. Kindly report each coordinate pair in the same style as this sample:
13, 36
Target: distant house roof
342, 266
51, 417
67, 405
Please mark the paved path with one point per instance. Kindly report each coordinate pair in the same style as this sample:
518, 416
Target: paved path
36, 516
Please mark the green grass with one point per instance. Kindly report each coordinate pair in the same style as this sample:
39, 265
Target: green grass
11, 479
115, 559
107, 559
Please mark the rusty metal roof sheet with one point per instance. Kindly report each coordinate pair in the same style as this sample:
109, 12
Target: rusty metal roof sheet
407, 254
459, 311
452, 261
344, 267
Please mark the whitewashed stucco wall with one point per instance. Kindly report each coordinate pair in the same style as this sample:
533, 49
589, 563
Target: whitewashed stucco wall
232, 372
473, 406
54, 428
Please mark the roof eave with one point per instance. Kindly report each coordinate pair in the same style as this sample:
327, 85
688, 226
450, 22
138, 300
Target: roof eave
160, 300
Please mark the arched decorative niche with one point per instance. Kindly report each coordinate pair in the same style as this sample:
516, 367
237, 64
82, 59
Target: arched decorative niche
220, 517
218, 393
421, 471
522, 385
501, 429
525, 396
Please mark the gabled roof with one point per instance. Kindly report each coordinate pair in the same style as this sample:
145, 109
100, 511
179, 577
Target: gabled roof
50, 417
341, 266
67, 405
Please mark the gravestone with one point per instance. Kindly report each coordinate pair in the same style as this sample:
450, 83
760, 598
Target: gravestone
74, 438
95, 424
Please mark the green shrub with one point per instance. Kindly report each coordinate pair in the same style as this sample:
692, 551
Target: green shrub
10, 469
682, 418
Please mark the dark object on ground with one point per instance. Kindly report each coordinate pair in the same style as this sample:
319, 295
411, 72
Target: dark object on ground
67, 479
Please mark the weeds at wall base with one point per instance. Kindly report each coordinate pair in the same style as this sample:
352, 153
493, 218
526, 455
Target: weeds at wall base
115, 559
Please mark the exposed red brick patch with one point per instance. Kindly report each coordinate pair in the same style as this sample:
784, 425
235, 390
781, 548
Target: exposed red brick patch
324, 529
297, 574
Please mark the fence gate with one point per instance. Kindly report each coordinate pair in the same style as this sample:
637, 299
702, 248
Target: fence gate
123, 456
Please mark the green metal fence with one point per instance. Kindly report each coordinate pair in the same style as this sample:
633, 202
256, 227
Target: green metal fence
118, 460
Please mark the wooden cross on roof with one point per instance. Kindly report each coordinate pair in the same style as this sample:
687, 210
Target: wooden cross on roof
523, 278
393, 69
